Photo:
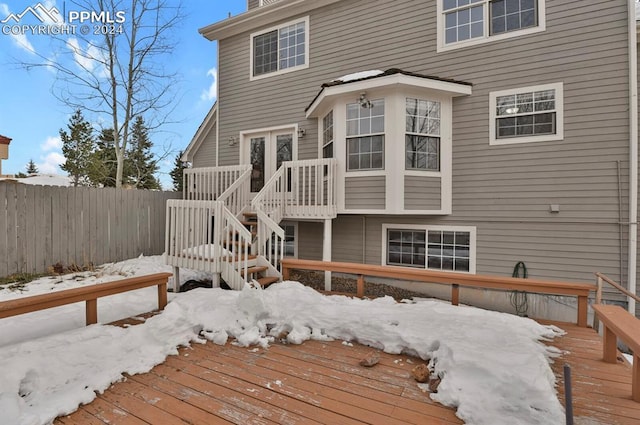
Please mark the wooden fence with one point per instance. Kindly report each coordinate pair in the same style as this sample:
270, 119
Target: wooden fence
44, 225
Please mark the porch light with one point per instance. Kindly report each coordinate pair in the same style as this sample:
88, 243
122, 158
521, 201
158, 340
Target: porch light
301, 132
232, 141
364, 102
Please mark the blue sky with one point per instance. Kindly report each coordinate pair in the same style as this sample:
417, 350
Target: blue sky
32, 116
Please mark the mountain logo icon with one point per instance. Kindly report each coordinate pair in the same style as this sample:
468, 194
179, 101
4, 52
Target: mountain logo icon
44, 15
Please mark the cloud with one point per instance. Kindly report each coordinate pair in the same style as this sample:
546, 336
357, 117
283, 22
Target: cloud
50, 164
90, 59
212, 92
20, 39
51, 143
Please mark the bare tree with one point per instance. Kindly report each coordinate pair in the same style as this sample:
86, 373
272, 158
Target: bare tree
116, 71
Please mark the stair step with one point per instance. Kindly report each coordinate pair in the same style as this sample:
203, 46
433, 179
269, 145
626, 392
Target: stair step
249, 223
240, 257
266, 281
253, 232
250, 214
256, 269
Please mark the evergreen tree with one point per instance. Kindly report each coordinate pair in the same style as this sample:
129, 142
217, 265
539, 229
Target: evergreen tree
177, 173
140, 166
77, 147
103, 163
31, 167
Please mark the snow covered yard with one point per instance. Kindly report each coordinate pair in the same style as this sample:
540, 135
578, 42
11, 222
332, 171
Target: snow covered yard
494, 367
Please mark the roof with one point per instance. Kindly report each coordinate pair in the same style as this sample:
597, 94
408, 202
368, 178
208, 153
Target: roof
376, 75
5, 140
208, 122
261, 16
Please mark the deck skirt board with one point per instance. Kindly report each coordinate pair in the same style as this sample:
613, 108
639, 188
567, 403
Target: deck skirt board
321, 382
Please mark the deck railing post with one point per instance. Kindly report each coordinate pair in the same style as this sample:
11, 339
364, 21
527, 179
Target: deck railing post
598, 300
455, 294
91, 311
360, 287
583, 303
162, 295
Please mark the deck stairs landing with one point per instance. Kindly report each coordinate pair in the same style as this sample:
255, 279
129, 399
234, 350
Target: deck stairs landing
218, 228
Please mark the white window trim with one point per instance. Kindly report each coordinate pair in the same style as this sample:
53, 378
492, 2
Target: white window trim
472, 241
559, 95
295, 235
443, 47
304, 19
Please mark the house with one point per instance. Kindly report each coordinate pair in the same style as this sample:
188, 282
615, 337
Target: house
4, 149
451, 135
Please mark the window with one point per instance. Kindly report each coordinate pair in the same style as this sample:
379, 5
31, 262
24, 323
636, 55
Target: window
527, 115
327, 136
422, 137
430, 247
280, 49
289, 240
464, 21
365, 135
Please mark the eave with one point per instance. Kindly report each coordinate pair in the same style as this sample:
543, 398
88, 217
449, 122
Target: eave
261, 16
390, 78
208, 122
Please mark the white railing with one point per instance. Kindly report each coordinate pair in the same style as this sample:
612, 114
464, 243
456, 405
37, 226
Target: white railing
236, 197
267, 2
301, 189
270, 238
208, 183
206, 236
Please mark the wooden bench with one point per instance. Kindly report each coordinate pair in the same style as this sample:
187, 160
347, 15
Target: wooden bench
538, 286
89, 294
619, 323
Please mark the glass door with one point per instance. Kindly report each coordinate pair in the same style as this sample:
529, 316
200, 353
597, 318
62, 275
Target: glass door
266, 153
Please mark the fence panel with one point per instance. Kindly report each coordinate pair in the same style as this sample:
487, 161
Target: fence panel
43, 225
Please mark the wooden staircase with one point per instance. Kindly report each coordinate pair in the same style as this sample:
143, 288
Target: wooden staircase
257, 271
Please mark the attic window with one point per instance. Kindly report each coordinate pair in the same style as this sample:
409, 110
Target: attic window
280, 49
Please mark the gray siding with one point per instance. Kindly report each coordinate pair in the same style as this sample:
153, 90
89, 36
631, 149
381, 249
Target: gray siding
309, 240
205, 155
367, 193
422, 193
504, 190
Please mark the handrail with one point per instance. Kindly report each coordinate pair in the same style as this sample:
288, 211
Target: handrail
604, 278
237, 240
579, 290
236, 196
273, 252
89, 294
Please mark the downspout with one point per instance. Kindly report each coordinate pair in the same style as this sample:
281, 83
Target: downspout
218, 100
633, 154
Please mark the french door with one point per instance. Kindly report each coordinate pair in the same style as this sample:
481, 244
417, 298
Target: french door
266, 152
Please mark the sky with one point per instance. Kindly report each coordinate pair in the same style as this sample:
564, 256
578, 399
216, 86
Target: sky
32, 116
486, 359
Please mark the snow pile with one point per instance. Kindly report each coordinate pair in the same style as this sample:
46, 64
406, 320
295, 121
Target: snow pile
358, 76
494, 368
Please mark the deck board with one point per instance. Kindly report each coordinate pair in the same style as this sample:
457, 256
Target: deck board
322, 383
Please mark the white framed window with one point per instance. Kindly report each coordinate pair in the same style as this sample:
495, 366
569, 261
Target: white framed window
290, 239
467, 22
365, 135
422, 135
444, 248
327, 135
527, 114
280, 49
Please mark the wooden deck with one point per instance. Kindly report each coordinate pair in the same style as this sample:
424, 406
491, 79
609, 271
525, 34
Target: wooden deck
322, 383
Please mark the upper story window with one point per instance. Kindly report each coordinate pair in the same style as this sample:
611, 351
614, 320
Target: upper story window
464, 22
280, 49
365, 135
528, 114
422, 137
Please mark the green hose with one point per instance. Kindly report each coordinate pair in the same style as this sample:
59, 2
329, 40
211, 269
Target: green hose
519, 299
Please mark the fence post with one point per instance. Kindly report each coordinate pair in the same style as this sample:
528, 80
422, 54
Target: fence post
596, 322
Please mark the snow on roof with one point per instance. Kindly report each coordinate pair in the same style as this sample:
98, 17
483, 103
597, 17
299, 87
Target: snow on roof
494, 366
358, 76
42, 180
